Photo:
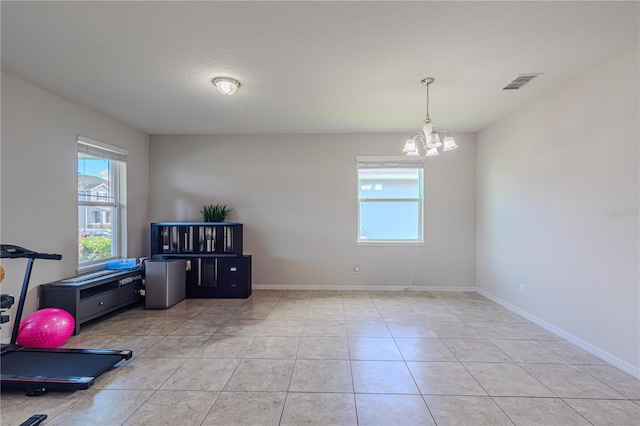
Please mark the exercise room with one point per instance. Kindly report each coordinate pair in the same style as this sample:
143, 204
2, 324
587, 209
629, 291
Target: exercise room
320, 213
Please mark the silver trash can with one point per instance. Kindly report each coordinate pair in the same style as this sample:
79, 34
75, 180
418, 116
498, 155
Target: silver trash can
165, 283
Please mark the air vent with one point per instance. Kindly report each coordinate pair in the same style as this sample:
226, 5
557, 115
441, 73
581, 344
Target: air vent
519, 81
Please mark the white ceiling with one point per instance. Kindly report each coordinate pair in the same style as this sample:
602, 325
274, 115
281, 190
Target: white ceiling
306, 67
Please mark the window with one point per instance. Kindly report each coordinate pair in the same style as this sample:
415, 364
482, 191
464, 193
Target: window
390, 200
101, 197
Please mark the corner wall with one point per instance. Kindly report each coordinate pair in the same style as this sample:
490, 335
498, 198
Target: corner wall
557, 209
38, 203
296, 196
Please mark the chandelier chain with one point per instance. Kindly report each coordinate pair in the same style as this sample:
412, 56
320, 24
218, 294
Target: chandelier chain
427, 81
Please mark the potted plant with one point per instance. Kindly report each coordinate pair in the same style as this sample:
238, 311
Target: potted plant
215, 213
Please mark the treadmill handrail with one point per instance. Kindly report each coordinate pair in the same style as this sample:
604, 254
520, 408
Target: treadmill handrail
15, 252
8, 251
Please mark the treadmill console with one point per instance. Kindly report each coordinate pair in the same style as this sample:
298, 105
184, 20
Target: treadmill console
15, 252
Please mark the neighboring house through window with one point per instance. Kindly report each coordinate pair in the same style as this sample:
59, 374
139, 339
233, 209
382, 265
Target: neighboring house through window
390, 200
101, 196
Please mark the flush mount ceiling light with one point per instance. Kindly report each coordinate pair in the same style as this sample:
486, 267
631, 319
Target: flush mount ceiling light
429, 138
226, 85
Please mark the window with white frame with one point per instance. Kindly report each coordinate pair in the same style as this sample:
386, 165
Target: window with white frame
101, 197
390, 200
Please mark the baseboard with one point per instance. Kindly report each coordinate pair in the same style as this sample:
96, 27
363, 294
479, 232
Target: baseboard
592, 349
335, 287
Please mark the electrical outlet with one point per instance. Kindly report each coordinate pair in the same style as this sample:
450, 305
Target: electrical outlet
356, 269
521, 288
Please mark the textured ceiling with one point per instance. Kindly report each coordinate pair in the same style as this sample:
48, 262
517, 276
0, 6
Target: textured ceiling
306, 67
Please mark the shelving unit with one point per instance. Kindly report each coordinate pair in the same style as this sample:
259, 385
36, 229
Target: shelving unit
216, 266
198, 238
87, 297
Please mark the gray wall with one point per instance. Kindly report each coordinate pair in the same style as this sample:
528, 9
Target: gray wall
557, 212
297, 198
39, 183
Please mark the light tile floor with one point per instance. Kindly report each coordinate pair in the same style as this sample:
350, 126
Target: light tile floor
337, 358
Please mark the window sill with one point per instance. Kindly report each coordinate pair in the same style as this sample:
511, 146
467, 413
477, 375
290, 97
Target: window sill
94, 267
90, 269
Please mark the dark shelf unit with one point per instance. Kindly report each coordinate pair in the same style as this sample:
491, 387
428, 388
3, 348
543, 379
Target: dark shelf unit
216, 266
219, 276
177, 239
90, 296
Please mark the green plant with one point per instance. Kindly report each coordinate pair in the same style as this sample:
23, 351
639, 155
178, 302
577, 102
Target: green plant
95, 248
215, 213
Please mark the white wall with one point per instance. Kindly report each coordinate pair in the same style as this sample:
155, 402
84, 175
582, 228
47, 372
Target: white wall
38, 203
296, 195
547, 175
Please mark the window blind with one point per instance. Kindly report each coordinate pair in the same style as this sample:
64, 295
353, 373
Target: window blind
389, 162
101, 150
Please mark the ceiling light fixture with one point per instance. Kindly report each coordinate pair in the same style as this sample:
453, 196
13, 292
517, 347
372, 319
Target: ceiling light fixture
429, 138
226, 85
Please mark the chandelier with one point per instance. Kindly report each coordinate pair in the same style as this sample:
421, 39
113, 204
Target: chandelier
429, 137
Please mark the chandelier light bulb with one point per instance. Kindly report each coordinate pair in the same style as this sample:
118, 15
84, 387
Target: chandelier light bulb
433, 141
409, 146
449, 144
432, 152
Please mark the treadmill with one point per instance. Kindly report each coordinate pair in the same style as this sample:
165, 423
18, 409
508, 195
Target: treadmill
39, 370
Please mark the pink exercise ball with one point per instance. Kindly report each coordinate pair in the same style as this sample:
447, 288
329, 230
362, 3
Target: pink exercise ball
46, 328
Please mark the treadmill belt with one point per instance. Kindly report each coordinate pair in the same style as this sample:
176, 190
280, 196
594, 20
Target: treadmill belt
51, 364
